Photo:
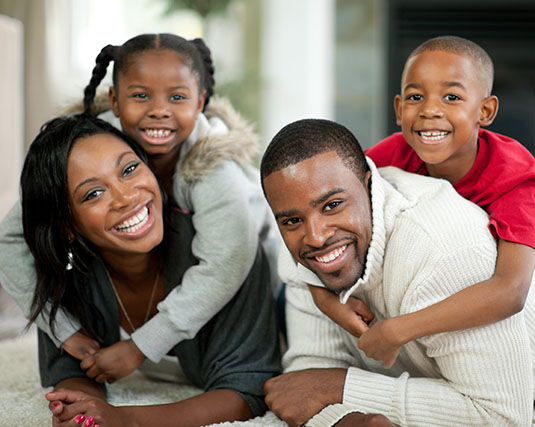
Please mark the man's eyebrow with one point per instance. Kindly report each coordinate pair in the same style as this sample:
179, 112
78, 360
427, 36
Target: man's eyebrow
323, 198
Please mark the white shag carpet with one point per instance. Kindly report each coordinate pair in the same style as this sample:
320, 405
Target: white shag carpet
22, 401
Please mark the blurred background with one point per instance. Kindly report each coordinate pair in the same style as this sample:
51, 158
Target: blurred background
277, 60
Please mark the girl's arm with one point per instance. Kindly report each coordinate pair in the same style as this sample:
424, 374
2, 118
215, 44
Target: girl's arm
214, 406
492, 300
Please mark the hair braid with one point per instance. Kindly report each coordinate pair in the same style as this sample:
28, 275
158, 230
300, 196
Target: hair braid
208, 82
106, 55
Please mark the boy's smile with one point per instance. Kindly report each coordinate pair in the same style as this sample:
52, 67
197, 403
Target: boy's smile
443, 103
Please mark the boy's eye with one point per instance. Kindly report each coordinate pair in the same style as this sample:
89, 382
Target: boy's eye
451, 97
332, 205
92, 194
177, 97
415, 97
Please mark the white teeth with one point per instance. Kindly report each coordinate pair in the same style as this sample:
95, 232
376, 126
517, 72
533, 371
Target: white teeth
135, 223
331, 256
157, 133
433, 135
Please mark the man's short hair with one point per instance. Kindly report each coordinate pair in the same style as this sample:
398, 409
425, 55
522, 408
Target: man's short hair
461, 46
307, 138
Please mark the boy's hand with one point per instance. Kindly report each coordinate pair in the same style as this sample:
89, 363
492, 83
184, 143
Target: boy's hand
381, 342
79, 345
113, 363
354, 316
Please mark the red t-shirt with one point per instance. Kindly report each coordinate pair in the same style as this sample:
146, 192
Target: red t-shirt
501, 181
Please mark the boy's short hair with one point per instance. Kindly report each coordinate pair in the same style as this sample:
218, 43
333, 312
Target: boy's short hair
303, 139
460, 46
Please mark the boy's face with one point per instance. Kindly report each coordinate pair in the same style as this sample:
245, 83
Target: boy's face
324, 215
443, 103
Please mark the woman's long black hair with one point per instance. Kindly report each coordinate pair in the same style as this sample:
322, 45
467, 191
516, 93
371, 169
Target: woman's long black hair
47, 217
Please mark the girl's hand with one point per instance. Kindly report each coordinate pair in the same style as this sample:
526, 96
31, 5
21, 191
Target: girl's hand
79, 345
354, 316
78, 409
381, 342
114, 362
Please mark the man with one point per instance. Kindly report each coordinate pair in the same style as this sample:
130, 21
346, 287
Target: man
398, 242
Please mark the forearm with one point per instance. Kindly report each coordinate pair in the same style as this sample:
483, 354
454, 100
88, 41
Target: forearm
82, 384
214, 406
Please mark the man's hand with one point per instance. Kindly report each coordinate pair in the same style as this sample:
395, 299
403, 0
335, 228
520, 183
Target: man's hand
354, 316
79, 345
114, 362
296, 397
381, 342
357, 419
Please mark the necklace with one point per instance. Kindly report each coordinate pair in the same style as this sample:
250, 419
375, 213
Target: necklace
120, 301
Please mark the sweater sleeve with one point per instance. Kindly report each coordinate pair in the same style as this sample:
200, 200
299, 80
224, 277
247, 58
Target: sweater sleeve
225, 244
18, 277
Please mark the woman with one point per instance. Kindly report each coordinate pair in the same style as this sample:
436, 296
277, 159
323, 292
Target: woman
93, 219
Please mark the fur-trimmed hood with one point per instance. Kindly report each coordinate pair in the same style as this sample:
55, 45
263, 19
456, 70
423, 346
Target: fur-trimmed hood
240, 143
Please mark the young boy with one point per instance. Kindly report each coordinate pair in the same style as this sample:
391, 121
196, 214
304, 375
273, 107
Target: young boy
445, 98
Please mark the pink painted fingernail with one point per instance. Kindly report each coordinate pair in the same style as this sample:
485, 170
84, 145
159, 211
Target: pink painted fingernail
56, 405
89, 421
96, 425
79, 418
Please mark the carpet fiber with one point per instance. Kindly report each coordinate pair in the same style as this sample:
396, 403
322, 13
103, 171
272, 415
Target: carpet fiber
22, 397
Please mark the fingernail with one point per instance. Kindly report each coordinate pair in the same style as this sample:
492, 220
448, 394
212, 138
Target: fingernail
56, 405
96, 425
89, 421
79, 419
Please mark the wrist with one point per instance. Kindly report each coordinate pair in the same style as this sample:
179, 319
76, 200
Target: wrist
140, 357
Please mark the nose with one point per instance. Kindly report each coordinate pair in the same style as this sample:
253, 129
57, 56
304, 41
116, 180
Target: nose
124, 195
431, 108
317, 232
159, 109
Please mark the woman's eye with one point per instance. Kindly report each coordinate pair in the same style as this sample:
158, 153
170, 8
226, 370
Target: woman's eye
130, 168
451, 97
92, 195
415, 97
177, 97
331, 205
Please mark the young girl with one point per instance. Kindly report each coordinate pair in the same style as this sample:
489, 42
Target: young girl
200, 150
82, 182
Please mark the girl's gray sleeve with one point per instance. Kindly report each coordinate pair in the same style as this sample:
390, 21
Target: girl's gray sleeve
225, 243
18, 277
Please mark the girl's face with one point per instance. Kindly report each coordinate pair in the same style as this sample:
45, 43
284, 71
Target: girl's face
157, 101
114, 197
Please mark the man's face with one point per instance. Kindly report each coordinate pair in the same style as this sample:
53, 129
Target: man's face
324, 214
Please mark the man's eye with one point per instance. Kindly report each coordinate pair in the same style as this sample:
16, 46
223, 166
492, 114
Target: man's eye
291, 221
415, 97
331, 205
451, 97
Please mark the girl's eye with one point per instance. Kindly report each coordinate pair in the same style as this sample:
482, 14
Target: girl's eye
140, 95
92, 194
332, 205
451, 97
177, 97
415, 97
130, 168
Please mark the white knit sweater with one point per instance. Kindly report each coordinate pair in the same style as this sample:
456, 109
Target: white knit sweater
427, 243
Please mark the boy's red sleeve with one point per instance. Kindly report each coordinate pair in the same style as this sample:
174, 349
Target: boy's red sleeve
394, 151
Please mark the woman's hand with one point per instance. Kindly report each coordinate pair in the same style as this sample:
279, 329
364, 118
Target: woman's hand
77, 409
113, 363
382, 342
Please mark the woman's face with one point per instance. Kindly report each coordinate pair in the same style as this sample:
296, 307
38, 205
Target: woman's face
115, 199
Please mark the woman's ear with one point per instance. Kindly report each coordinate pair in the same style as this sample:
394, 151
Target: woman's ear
112, 94
489, 109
